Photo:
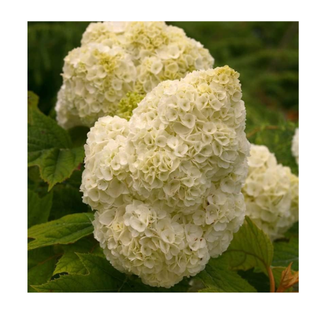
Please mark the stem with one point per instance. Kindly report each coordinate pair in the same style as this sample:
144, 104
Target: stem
271, 278
123, 283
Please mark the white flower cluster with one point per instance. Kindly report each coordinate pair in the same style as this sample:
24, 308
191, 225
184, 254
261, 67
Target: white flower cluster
117, 58
295, 145
271, 193
166, 185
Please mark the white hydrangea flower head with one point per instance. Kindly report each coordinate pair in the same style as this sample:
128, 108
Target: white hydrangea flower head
95, 79
166, 185
104, 32
271, 193
295, 145
65, 117
116, 58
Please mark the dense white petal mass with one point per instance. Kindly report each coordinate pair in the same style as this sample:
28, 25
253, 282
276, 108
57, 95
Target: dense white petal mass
271, 193
116, 58
295, 145
95, 79
166, 185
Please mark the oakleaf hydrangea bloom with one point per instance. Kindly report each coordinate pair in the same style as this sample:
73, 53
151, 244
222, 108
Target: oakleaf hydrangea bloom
271, 193
295, 145
166, 185
116, 58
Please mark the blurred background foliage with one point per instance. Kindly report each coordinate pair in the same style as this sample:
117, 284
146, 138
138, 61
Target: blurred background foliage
264, 53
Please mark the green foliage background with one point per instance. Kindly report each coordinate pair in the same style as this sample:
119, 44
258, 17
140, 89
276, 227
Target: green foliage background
266, 56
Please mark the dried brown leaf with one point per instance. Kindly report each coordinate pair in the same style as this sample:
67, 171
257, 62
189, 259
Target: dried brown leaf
288, 279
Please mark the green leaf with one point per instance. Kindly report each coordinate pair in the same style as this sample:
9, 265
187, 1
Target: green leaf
45, 133
250, 248
286, 252
66, 230
41, 264
38, 208
70, 262
218, 278
35, 183
50, 148
100, 277
56, 165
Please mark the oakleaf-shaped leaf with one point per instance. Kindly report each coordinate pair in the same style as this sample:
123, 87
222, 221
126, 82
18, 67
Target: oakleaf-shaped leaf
218, 278
50, 148
68, 229
250, 248
288, 279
